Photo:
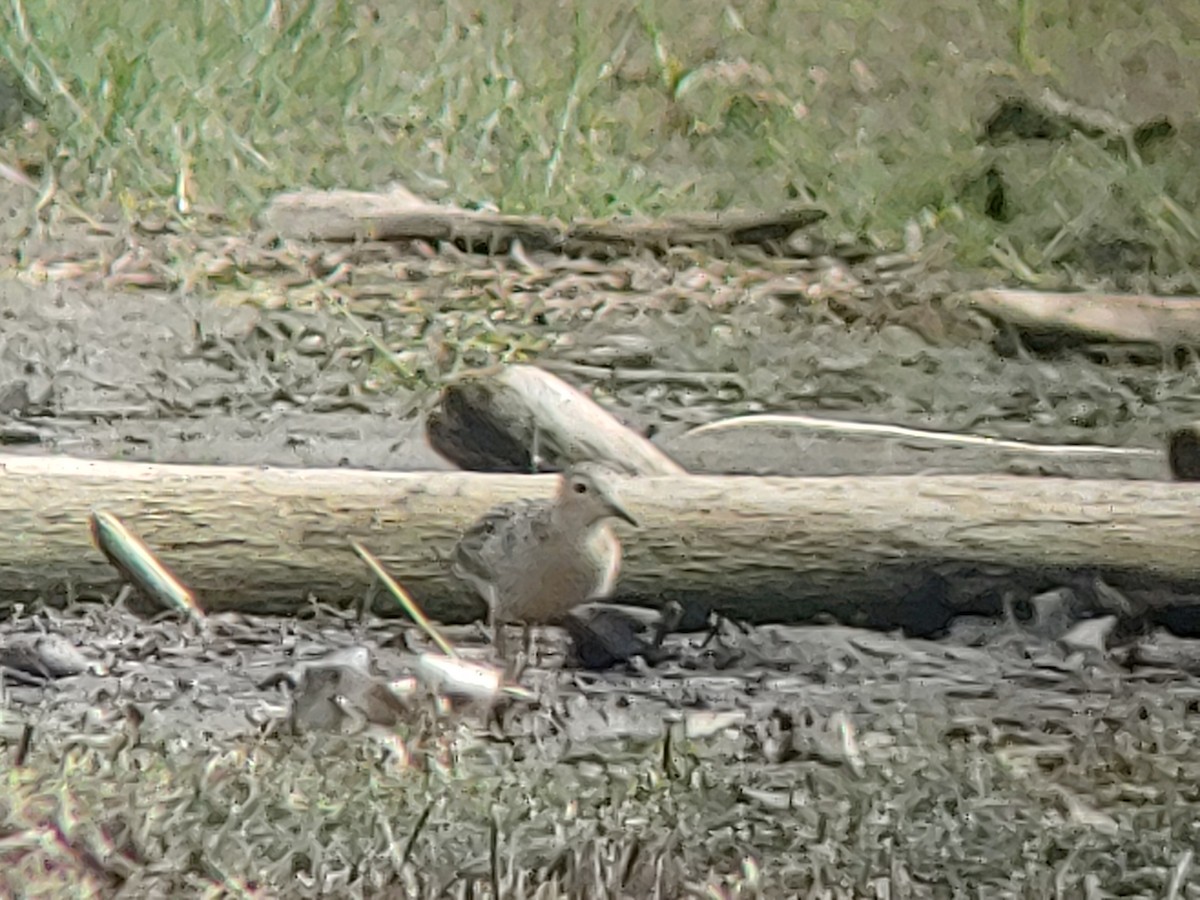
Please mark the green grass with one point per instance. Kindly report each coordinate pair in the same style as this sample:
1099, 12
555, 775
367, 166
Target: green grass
573, 108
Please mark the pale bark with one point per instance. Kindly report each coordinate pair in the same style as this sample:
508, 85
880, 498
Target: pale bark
398, 214
518, 418
1133, 318
265, 539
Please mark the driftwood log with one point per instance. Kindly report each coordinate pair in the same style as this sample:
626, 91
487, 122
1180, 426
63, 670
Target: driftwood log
868, 549
398, 214
1126, 318
1050, 115
523, 419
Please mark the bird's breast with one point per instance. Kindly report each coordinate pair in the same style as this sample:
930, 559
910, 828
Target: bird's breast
606, 549
559, 575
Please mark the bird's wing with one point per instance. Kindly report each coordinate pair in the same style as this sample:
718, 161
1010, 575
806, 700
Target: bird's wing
500, 534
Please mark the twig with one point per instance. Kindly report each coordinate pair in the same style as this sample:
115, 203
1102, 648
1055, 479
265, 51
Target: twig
640, 376
406, 600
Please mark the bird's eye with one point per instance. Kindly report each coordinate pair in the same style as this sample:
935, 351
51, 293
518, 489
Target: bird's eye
579, 487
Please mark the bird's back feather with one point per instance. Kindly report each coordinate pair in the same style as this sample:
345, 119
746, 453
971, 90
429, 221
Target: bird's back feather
500, 534
531, 563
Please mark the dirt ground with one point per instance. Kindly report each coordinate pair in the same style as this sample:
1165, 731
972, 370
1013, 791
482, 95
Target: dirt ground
198, 376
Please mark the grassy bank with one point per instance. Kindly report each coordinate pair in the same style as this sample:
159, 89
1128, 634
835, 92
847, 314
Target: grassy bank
878, 111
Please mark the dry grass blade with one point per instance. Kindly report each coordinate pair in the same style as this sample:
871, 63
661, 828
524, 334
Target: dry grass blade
450, 673
130, 555
405, 599
1179, 875
417, 828
16, 176
493, 854
339, 304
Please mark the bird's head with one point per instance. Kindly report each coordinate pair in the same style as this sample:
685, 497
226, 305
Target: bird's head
586, 494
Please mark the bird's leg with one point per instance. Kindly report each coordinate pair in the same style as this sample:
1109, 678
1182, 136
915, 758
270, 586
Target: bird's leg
514, 667
672, 615
535, 456
527, 642
497, 628
523, 655
495, 625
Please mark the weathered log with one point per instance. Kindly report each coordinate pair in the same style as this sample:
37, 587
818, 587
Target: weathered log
711, 231
1133, 318
869, 549
521, 418
398, 214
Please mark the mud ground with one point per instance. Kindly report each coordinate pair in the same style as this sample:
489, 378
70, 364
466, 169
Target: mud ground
239, 677
210, 377
284, 376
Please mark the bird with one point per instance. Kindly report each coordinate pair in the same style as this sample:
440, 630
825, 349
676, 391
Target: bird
534, 560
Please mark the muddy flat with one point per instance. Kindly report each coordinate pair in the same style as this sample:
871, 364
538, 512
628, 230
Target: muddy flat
772, 758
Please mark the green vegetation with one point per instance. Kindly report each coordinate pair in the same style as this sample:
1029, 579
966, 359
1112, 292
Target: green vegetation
875, 110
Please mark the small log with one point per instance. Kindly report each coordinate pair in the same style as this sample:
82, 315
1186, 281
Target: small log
523, 419
711, 231
1133, 318
867, 549
1052, 116
398, 214
797, 445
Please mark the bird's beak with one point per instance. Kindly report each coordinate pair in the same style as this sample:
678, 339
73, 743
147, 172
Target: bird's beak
619, 511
